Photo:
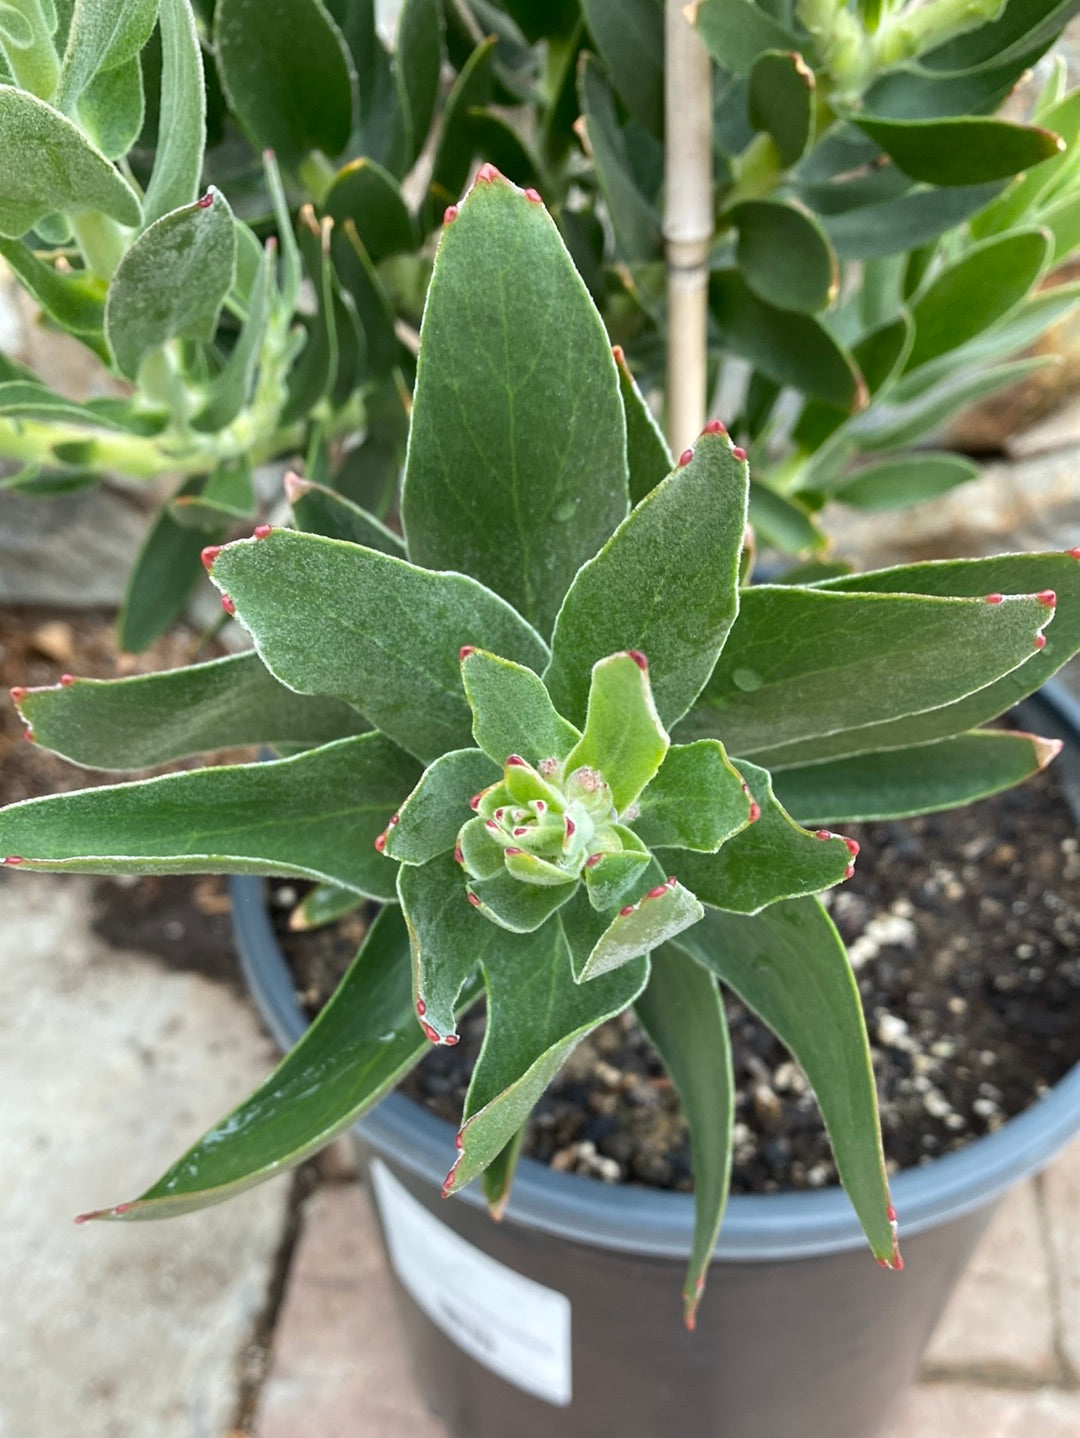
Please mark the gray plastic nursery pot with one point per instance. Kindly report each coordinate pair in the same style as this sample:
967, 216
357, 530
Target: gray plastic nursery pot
564, 1320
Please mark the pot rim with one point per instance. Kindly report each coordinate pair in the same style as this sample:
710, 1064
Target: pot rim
659, 1223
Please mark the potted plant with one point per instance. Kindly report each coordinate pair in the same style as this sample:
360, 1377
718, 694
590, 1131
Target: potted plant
549, 739
551, 729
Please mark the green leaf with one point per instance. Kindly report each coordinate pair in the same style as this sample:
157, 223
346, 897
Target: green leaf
770, 232
178, 158
231, 389
974, 577
481, 855
428, 822
77, 177
322, 905
1019, 27
615, 874
315, 816
905, 221
360, 281
1063, 222
26, 399
783, 521
448, 939
388, 635
696, 801
103, 35
370, 196
416, 65
319, 510
154, 718
357, 1049
512, 711
664, 911
980, 288
780, 102
683, 1014
172, 281
898, 483
227, 496
772, 858
665, 584
536, 1015
287, 75
795, 669
516, 468
921, 779
789, 966
895, 426
737, 31
517, 906
75, 301
1023, 198
112, 108
624, 739
159, 584
629, 35
498, 1177
646, 448
314, 373
790, 348
960, 150
634, 220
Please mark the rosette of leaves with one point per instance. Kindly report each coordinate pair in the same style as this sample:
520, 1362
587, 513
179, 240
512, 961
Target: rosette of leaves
577, 763
882, 235
228, 354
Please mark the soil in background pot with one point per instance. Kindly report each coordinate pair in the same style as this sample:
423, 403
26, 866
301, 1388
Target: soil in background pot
964, 931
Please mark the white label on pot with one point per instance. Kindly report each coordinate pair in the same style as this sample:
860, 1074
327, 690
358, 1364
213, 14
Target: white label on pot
513, 1325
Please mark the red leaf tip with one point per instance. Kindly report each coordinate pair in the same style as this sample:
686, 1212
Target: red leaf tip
1047, 597
12, 861
228, 604
715, 426
465, 650
685, 458
18, 694
487, 174
66, 680
450, 214
534, 197
755, 813
206, 201
639, 659
209, 554
994, 599
740, 454
262, 531
1040, 641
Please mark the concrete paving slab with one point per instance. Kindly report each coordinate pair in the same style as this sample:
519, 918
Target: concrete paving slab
110, 1065
1061, 1191
1001, 1318
339, 1368
963, 1410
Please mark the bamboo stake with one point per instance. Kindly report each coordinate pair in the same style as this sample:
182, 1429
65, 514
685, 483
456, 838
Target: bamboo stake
688, 221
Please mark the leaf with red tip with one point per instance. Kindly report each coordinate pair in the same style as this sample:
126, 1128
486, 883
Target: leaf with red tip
430, 818
518, 492
447, 937
512, 711
771, 858
789, 966
974, 579
696, 800
683, 1014
922, 779
387, 636
152, 718
171, 282
520, 908
805, 669
314, 816
358, 1048
536, 1015
666, 582
663, 910
617, 873
624, 740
